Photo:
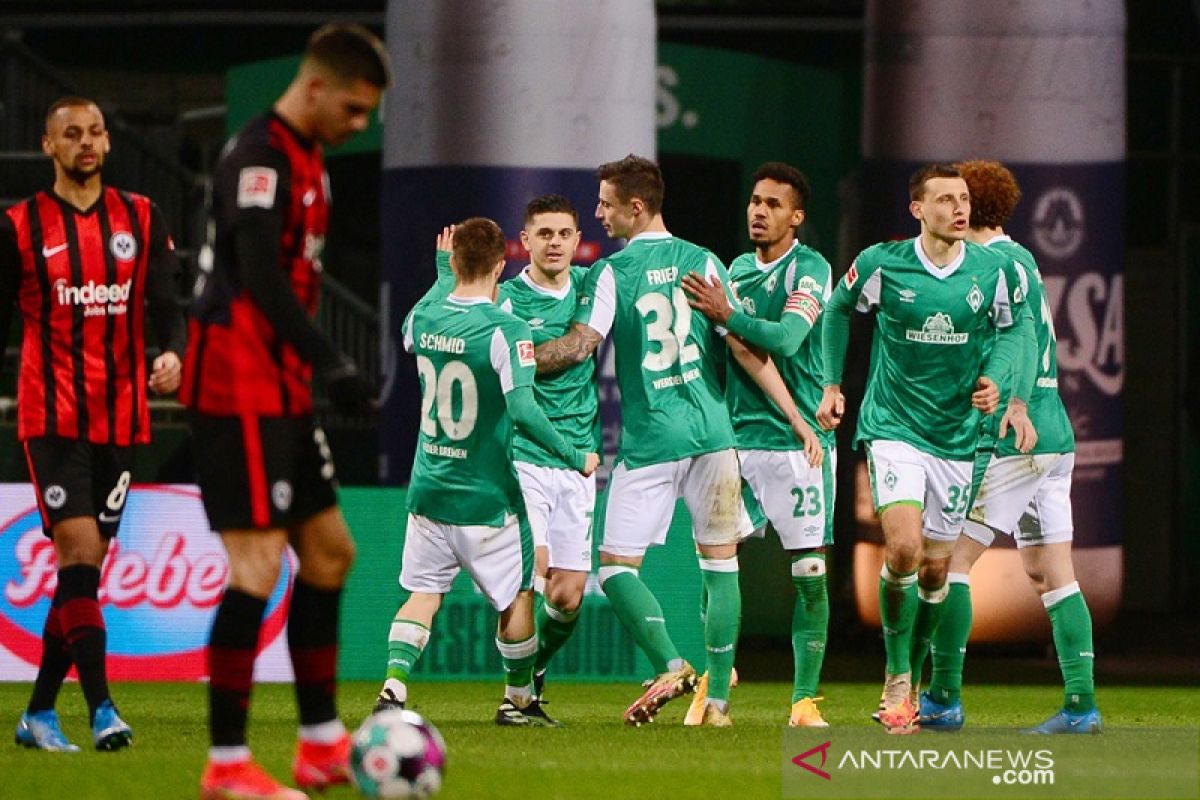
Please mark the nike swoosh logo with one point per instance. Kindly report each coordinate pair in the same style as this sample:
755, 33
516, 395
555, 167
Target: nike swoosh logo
108, 518
48, 252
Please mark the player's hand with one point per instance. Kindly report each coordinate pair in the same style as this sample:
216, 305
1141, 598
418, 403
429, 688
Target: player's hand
165, 373
445, 239
349, 391
813, 450
1017, 416
590, 462
986, 396
708, 297
832, 407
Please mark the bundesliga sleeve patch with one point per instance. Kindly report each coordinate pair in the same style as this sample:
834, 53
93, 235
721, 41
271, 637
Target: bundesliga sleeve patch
804, 304
852, 275
256, 187
525, 354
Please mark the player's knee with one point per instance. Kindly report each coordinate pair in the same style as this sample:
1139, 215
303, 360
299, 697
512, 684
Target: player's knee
932, 574
566, 594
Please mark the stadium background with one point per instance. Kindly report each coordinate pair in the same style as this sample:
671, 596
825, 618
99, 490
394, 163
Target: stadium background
175, 78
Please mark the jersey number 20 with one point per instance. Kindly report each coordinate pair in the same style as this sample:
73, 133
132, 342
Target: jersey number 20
440, 389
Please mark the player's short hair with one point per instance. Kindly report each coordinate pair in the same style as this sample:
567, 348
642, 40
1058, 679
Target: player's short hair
634, 176
70, 101
785, 173
916, 184
478, 244
550, 204
994, 192
350, 52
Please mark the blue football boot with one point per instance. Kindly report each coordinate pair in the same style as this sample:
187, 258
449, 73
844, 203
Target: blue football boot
1071, 722
109, 731
935, 716
41, 730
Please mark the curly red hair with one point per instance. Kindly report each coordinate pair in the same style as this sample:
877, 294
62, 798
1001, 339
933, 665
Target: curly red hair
994, 192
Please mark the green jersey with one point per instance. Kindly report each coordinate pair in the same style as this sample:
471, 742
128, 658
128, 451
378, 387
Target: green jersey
666, 354
1046, 409
570, 397
470, 354
934, 327
799, 282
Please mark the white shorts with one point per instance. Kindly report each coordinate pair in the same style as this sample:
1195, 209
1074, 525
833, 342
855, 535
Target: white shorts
559, 504
1028, 497
641, 502
499, 560
900, 473
796, 497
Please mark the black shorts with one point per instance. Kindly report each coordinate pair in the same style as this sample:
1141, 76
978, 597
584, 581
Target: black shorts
261, 472
74, 478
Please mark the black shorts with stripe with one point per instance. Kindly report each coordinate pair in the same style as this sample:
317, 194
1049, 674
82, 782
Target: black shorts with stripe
75, 478
261, 472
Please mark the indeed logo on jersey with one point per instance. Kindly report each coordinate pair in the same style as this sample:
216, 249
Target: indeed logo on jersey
98, 299
938, 329
159, 588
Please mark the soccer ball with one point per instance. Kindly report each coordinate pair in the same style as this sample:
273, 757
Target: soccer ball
397, 754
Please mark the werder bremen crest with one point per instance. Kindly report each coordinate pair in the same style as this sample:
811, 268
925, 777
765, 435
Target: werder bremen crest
938, 329
975, 298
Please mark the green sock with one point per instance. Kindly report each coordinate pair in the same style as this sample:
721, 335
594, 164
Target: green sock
722, 623
810, 623
406, 642
518, 658
948, 644
897, 607
554, 627
929, 612
640, 614
1072, 625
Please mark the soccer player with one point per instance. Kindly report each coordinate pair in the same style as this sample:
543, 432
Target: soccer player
676, 437
84, 259
938, 303
1028, 496
476, 364
264, 467
558, 500
783, 286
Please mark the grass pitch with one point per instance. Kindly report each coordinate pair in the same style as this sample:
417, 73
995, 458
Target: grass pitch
592, 756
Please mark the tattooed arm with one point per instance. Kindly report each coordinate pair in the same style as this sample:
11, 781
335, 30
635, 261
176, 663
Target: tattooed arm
574, 347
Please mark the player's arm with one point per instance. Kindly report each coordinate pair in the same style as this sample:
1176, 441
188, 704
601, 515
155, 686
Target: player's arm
1016, 353
512, 358
10, 276
162, 300
593, 319
858, 289
761, 369
781, 338
257, 243
444, 285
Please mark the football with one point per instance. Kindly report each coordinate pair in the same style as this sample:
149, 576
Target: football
397, 754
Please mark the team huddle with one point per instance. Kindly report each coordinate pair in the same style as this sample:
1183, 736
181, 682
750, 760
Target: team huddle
962, 425
964, 431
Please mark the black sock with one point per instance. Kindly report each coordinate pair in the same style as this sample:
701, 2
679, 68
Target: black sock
231, 649
83, 628
312, 642
56, 660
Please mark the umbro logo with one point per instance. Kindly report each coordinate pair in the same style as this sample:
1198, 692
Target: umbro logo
907, 295
536, 322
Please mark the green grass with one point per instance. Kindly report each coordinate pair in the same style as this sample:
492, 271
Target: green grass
592, 756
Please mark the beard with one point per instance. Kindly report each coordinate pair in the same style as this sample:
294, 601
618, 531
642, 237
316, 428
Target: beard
82, 174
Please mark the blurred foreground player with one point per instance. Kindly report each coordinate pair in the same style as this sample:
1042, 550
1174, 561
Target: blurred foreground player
264, 466
83, 259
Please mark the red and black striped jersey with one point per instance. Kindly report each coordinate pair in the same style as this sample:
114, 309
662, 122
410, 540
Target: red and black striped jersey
82, 279
269, 218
